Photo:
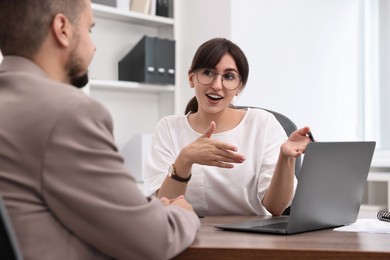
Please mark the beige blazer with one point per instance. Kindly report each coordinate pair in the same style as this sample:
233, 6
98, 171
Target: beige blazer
64, 182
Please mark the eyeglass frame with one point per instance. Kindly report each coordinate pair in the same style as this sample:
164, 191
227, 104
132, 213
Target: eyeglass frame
215, 76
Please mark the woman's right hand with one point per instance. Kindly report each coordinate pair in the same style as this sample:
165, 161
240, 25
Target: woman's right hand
207, 151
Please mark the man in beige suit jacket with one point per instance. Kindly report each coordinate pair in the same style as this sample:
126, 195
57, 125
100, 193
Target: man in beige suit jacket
63, 181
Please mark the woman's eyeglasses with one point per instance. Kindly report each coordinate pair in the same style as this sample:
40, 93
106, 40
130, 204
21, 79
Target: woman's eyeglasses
230, 80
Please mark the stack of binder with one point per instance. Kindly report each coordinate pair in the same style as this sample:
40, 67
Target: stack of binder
151, 60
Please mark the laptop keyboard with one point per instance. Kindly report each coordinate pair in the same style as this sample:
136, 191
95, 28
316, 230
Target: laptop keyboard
279, 225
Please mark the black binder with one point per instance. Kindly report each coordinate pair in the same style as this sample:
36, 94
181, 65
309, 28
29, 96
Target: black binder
139, 64
165, 61
170, 9
152, 60
162, 7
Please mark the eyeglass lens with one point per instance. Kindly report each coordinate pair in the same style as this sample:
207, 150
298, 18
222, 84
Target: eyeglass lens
230, 80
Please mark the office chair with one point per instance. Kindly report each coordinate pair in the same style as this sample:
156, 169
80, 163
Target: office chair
289, 126
8, 244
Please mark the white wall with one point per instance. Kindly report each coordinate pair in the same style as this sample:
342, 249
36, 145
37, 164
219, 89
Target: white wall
303, 55
376, 73
304, 61
384, 72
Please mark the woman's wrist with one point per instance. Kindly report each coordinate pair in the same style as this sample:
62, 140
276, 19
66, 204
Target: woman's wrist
182, 166
172, 173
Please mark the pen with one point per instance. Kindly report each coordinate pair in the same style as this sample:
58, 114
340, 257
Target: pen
311, 136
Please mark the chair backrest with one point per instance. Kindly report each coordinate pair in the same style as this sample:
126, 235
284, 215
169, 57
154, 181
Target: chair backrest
289, 126
8, 244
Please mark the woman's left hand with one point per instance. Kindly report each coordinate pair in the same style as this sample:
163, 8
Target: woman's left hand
296, 143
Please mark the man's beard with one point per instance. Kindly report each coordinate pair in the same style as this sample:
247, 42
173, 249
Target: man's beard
74, 68
79, 81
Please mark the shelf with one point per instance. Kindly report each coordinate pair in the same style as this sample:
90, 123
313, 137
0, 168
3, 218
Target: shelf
113, 13
115, 33
130, 86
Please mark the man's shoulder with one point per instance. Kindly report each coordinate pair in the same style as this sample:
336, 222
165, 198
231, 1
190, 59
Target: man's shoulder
57, 94
50, 97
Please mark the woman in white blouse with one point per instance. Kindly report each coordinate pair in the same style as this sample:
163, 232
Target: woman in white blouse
224, 160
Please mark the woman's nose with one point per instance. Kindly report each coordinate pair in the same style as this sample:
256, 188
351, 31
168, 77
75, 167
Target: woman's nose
218, 82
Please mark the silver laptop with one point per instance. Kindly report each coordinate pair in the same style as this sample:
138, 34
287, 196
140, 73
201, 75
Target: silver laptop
9, 247
329, 192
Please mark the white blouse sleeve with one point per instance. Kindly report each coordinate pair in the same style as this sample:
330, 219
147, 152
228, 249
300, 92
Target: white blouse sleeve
159, 156
275, 137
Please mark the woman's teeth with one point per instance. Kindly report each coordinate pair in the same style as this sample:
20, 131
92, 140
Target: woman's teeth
214, 97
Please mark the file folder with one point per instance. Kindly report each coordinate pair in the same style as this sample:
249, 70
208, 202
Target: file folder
139, 64
165, 61
162, 8
140, 6
151, 60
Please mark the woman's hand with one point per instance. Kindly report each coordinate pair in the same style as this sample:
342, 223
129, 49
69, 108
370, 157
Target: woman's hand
296, 143
207, 151
211, 152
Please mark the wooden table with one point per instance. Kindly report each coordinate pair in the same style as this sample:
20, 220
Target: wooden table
212, 243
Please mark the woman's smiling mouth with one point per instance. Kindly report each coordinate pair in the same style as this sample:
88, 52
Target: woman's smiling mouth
214, 97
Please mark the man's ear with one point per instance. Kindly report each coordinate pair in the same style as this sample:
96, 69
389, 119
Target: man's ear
62, 30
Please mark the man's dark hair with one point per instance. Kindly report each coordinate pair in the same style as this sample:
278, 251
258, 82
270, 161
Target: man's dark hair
24, 24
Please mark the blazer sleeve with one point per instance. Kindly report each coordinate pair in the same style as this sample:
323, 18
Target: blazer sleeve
85, 184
